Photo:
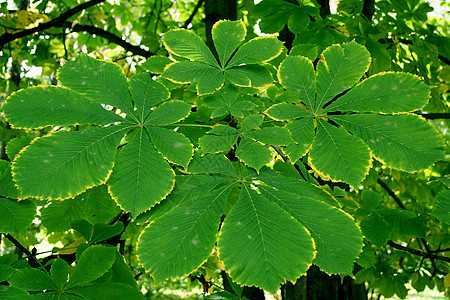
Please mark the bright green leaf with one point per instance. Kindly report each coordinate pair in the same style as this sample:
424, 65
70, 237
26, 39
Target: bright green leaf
16, 216
405, 142
178, 242
443, 207
168, 113
253, 153
220, 138
254, 251
93, 263
65, 164
100, 81
60, 273
341, 67
187, 44
384, 93
256, 51
146, 94
42, 106
339, 156
32, 280
274, 135
286, 111
297, 75
141, 177
227, 36
302, 131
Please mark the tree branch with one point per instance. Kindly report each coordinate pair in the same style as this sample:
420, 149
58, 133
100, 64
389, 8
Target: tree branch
32, 261
391, 193
57, 22
194, 12
110, 37
417, 252
433, 116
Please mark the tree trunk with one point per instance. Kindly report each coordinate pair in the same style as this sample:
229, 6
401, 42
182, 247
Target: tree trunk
317, 285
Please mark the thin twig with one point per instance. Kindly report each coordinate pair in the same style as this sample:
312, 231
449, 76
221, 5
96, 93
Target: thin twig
194, 12
417, 252
391, 193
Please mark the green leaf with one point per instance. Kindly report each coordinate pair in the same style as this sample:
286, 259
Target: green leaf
146, 94
11, 292
339, 156
99, 206
173, 146
42, 106
297, 75
60, 273
256, 51
211, 164
110, 290
286, 112
253, 153
16, 144
100, 81
337, 238
121, 272
210, 83
181, 240
302, 131
156, 64
341, 67
249, 76
308, 50
298, 21
168, 113
375, 229
443, 207
65, 164
32, 280
404, 142
58, 215
83, 227
16, 215
229, 101
103, 232
93, 263
385, 93
296, 186
272, 135
220, 138
187, 71
187, 44
141, 177
252, 230
6, 272
227, 36
7, 186
251, 122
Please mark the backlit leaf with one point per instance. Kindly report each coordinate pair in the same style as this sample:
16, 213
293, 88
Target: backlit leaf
256, 51
227, 36
65, 164
16, 216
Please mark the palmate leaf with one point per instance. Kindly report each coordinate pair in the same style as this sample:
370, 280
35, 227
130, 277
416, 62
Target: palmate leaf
407, 147
252, 153
229, 101
32, 280
83, 159
64, 164
220, 138
241, 66
268, 231
141, 177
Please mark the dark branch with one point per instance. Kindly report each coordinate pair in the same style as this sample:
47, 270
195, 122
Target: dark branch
110, 37
417, 252
433, 116
31, 257
57, 22
194, 12
391, 193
